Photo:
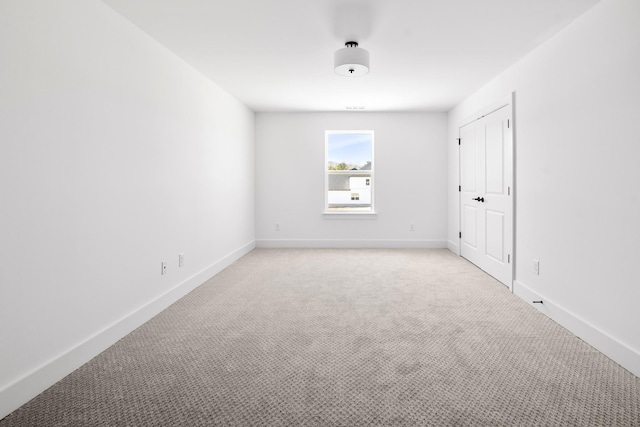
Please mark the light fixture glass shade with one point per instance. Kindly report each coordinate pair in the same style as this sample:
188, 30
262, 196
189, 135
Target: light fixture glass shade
351, 60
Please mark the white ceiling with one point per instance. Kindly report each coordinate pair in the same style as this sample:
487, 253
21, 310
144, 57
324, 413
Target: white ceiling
277, 55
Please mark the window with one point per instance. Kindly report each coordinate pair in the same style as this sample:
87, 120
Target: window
349, 171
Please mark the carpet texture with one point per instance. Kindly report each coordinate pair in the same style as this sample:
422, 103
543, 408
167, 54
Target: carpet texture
344, 337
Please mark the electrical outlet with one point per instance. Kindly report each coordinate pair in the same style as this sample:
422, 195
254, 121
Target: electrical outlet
412, 227
536, 267
164, 268
277, 227
181, 260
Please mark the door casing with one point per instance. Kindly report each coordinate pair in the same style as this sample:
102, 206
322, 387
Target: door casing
510, 179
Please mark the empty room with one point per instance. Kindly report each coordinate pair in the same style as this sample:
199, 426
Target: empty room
319, 212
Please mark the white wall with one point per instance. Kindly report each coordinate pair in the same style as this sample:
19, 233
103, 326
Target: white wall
410, 180
115, 155
577, 175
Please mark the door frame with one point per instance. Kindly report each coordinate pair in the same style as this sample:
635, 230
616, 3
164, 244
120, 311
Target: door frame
491, 108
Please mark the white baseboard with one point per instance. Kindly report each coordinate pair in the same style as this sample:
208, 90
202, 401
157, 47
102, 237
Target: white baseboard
351, 243
619, 352
30, 385
453, 247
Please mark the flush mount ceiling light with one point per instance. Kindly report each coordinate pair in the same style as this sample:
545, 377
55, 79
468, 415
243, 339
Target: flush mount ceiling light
351, 60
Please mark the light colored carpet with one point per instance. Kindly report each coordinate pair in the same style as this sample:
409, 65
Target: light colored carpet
342, 337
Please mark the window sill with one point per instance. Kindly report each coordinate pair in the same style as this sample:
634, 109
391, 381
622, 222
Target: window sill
349, 215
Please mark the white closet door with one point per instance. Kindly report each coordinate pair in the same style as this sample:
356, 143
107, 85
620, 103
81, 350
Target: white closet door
486, 206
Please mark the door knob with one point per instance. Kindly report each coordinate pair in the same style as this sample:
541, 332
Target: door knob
479, 199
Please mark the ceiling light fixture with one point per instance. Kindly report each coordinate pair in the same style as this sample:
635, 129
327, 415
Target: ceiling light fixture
351, 60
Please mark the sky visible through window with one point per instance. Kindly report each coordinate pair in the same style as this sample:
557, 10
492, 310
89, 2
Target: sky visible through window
350, 148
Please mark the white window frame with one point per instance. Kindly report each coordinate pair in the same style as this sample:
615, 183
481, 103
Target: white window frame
346, 213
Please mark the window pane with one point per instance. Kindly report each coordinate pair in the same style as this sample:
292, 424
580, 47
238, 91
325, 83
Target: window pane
349, 170
349, 151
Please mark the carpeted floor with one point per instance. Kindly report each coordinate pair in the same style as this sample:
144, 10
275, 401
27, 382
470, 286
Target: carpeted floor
344, 337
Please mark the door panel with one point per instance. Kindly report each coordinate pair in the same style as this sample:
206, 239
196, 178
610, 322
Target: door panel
486, 205
494, 156
472, 172
470, 237
495, 235
469, 161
